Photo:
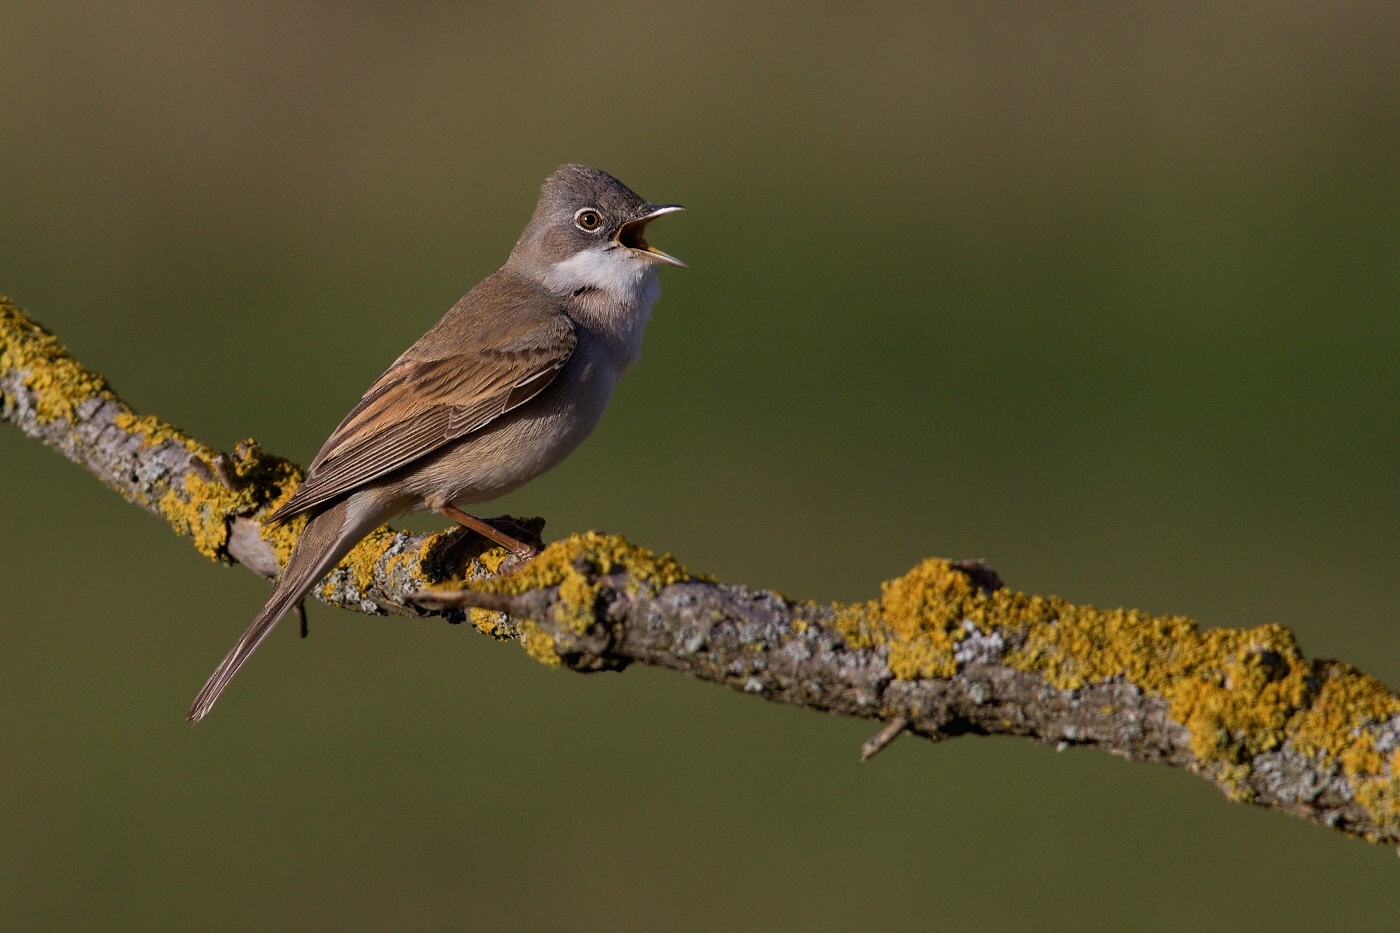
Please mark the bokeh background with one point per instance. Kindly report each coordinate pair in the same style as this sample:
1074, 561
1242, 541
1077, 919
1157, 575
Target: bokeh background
1103, 293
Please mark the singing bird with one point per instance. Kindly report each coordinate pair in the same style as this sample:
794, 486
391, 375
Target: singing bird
505, 386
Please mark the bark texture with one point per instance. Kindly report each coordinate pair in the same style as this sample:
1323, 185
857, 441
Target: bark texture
946, 649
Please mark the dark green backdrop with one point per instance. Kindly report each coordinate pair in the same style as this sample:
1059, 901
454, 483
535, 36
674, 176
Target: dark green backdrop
1105, 294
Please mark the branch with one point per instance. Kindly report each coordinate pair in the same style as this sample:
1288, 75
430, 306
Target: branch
220, 501
946, 650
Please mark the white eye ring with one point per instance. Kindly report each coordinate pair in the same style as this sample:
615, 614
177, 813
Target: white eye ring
588, 219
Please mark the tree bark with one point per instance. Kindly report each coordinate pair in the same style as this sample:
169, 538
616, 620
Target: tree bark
946, 649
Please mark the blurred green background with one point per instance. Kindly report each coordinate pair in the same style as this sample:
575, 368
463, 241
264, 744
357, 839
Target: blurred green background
1103, 293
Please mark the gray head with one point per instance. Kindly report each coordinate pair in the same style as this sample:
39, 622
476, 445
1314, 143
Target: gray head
589, 225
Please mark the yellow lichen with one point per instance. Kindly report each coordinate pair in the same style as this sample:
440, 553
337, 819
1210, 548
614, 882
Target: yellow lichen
283, 537
922, 612
1334, 725
1234, 690
539, 644
1347, 700
197, 507
559, 565
919, 617
1238, 692
202, 508
1381, 793
577, 598
441, 557
859, 624
201, 514
59, 383
364, 558
493, 558
487, 621
153, 431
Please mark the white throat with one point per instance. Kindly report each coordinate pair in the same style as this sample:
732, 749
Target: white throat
616, 271
613, 290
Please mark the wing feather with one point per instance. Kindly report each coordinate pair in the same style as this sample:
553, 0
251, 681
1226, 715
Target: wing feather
445, 387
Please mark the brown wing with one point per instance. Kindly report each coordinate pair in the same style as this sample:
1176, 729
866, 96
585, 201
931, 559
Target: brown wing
482, 360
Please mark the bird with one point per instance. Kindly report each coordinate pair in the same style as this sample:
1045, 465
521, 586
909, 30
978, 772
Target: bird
506, 385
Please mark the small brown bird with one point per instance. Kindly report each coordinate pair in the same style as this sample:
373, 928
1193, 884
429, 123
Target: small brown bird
505, 386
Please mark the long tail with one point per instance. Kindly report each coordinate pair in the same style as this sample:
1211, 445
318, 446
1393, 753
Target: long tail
328, 537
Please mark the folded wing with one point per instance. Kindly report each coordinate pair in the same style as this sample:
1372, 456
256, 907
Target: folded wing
465, 373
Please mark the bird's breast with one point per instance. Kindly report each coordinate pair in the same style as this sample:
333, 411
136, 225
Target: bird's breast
531, 439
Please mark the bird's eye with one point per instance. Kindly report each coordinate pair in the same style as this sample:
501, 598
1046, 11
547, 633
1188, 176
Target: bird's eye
588, 219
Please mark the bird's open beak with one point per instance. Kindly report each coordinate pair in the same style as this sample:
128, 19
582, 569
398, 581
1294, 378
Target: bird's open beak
631, 237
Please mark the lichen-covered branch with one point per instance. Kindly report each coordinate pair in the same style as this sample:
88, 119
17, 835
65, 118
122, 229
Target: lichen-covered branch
218, 500
945, 650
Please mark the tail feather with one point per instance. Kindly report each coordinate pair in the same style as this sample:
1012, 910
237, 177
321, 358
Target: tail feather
262, 626
328, 537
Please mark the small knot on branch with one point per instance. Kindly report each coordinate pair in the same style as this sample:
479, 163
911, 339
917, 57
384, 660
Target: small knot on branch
981, 574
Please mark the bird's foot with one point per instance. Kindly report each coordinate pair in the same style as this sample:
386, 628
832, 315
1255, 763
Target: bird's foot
520, 552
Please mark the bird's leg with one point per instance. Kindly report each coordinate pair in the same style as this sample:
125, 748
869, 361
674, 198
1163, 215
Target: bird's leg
520, 549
